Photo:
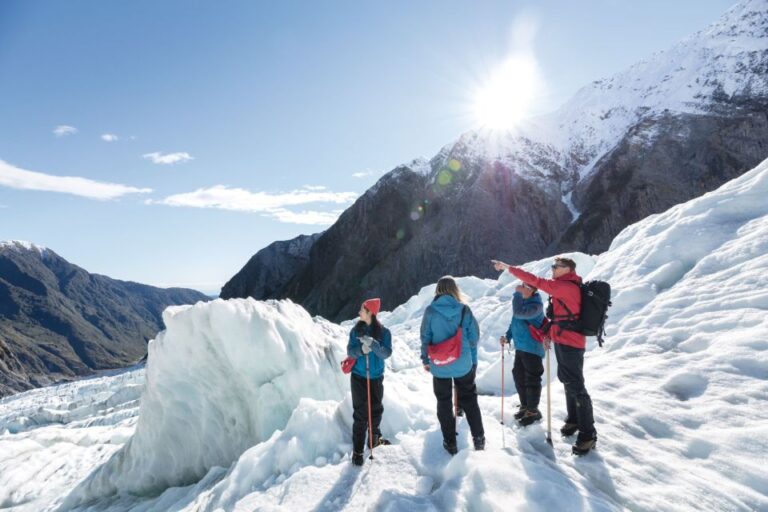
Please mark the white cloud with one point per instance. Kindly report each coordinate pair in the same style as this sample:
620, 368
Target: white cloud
363, 174
314, 187
63, 130
14, 177
269, 204
169, 158
315, 218
109, 137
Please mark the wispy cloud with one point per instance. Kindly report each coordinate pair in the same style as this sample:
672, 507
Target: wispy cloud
109, 137
3, 206
362, 174
315, 218
169, 158
63, 130
14, 177
273, 205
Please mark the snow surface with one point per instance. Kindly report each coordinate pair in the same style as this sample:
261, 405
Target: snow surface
242, 405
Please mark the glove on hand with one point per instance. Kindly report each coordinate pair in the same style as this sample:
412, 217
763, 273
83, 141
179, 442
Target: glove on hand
366, 342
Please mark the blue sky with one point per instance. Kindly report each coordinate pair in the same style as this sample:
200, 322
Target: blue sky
199, 132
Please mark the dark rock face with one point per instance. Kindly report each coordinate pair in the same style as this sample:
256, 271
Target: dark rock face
57, 321
661, 162
384, 245
269, 270
410, 229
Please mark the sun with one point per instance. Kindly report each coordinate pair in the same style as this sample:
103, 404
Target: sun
506, 97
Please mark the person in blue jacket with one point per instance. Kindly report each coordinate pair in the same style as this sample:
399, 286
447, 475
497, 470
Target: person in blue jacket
527, 310
442, 319
368, 338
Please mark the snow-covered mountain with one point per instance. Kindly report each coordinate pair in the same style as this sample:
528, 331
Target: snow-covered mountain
708, 72
242, 405
659, 133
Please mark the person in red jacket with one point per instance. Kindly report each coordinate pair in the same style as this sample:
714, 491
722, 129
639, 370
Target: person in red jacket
565, 294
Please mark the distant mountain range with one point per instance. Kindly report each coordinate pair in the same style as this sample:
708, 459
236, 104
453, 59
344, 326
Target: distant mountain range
665, 130
57, 321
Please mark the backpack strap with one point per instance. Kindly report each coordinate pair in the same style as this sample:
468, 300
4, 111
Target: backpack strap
461, 322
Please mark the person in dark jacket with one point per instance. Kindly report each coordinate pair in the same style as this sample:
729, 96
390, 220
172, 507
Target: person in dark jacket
368, 338
442, 319
527, 311
565, 293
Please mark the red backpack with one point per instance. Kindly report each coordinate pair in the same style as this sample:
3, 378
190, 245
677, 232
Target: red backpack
448, 351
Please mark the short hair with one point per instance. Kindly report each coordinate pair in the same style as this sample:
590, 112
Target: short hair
568, 262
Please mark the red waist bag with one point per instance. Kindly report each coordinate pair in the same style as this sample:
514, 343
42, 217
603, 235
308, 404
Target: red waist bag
347, 364
448, 351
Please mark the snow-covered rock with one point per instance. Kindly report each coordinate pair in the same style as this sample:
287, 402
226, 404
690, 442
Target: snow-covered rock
222, 377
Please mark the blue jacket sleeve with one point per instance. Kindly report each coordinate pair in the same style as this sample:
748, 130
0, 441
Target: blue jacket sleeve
354, 347
426, 335
525, 311
383, 349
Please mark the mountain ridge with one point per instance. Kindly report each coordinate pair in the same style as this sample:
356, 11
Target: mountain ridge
59, 322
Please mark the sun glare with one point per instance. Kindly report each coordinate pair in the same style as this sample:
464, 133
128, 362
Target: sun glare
506, 97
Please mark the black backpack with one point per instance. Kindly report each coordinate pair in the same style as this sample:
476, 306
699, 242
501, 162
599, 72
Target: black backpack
595, 301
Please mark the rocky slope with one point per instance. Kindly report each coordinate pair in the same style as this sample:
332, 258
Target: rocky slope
267, 272
58, 321
666, 130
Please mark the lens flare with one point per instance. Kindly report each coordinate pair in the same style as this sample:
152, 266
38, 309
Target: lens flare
506, 98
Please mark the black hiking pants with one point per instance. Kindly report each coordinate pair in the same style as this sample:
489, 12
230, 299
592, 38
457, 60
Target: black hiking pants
527, 372
570, 371
467, 398
360, 410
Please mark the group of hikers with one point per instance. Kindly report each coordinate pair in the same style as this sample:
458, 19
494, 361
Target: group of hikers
449, 337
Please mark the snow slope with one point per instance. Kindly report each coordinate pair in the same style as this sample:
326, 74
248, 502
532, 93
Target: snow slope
725, 61
680, 395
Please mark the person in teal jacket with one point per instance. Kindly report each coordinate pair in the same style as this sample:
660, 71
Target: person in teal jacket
527, 311
368, 338
442, 319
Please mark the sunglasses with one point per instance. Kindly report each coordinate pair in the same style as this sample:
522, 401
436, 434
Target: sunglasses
559, 266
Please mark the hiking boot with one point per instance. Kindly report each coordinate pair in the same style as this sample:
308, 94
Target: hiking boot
479, 443
450, 447
530, 417
380, 441
568, 429
585, 443
357, 459
520, 412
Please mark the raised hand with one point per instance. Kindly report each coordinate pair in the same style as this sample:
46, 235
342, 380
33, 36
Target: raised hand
499, 265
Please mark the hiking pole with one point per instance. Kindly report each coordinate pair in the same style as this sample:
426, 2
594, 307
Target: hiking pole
455, 400
370, 421
549, 404
502, 384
